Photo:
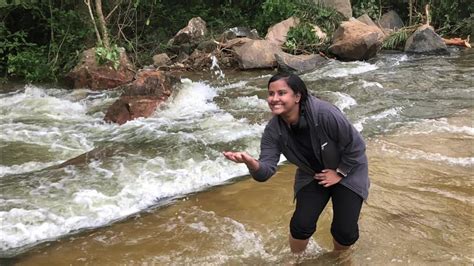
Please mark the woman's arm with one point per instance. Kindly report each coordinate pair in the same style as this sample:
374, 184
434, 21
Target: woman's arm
263, 168
243, 157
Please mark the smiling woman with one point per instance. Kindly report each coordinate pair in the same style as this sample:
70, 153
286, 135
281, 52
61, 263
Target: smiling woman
330, 155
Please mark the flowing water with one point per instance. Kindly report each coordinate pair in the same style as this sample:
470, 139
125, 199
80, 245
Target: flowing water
162, 193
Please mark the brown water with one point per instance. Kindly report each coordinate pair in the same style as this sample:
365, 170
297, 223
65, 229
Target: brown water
419, 212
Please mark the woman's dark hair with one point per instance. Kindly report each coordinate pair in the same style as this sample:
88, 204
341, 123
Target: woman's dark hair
294, 82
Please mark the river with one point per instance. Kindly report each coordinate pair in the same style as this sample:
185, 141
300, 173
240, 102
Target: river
164, 194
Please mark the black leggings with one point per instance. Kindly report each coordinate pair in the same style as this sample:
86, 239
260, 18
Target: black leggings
310, 202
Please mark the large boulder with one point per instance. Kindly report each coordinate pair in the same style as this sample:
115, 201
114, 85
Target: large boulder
425, 41
354, 40
89, 74
257, 54
192, 33
142, 97
277, 33
342, 6
298, 64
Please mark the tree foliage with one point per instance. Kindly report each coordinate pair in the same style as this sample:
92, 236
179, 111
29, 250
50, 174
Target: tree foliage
41, 40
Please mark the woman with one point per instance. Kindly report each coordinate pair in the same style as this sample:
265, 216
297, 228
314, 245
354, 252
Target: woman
329, 153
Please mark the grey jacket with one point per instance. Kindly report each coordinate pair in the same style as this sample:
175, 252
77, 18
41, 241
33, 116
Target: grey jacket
336, 144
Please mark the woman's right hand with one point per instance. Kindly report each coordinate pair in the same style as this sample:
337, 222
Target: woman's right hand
242, 157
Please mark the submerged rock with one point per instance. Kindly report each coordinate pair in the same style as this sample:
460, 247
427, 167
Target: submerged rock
298, 64
142, 97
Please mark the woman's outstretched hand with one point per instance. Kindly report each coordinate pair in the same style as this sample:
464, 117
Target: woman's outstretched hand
327, 177
242, 157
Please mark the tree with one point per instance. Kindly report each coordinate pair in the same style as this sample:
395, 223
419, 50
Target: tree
102, 35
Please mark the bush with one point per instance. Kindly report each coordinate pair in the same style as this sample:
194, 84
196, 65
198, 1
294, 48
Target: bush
30, 64
42, 39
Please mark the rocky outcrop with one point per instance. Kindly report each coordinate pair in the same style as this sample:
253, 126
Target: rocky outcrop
425, 41
142, 97
354, 40
88, 74
298, 64
257, 54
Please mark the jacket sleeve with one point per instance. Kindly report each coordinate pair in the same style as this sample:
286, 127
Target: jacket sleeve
348, 139
270, 151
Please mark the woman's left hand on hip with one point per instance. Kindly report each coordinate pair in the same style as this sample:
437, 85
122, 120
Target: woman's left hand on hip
327, 177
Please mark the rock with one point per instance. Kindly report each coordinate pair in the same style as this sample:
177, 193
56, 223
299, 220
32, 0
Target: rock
390, 20
130, 108
354, 40
240, 32
425, 41
88, 74
92, 155
342, 6
192, 33
160, 60
257, 54
298, 64
319, 33
142, 97
367, 20
277, 33
182, 57
200, 59
207, 46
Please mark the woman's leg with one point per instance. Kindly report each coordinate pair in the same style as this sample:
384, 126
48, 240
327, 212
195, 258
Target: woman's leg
297, 245
310, 202
346, 206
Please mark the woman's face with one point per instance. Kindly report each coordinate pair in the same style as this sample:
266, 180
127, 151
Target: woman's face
281, 99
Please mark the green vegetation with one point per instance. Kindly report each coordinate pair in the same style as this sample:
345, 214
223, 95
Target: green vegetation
104, 55
448, 17
42, 40
397, 39
301, 39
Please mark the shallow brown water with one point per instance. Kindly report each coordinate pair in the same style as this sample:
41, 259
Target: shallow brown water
419, 212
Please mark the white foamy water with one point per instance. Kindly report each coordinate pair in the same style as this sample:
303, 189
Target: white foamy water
429, 126
344, 101
392, 112
35, 101
106, 190
336, 69
415, 154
